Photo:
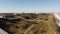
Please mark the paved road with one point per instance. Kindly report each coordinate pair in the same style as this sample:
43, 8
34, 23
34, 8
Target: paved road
2, 31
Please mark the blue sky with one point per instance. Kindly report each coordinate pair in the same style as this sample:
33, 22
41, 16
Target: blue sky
29, 6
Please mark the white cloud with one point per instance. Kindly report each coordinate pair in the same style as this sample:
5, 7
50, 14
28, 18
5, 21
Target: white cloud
12, 10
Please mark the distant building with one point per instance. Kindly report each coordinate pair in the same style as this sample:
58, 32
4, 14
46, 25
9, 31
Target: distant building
7, 15
1, 15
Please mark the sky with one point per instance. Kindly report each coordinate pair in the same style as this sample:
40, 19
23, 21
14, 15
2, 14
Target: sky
29, 6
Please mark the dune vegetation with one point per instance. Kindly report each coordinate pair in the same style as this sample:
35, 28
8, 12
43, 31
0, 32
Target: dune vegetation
30, 23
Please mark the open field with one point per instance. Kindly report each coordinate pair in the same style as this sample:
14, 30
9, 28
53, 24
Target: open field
30, 23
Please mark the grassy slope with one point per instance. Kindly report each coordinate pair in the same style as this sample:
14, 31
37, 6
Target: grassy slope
49, 26
43, 24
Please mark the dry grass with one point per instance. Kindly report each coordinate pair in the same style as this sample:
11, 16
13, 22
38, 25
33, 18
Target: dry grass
45, 25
